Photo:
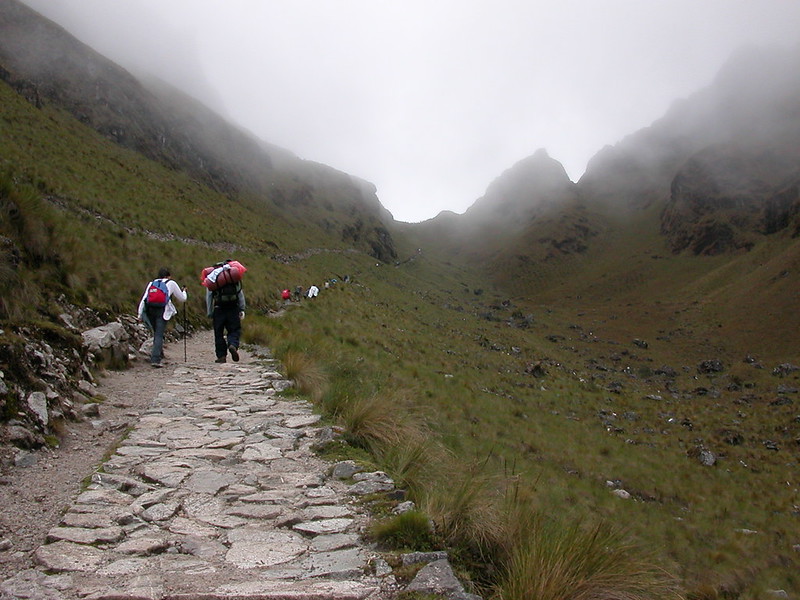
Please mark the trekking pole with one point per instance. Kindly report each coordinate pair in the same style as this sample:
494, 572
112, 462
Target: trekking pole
184, 332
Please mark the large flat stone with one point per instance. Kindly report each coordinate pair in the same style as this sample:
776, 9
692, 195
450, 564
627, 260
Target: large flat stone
87, 520
160, 512
66, 556
167, 475
252, 548
324, 526
105, 497
208, 481
336, 541
301, 421
79, 535
263, 451
144, 545
256, 511
339, 564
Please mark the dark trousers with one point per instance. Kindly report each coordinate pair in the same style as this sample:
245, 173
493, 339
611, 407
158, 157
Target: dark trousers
226, 318
156, 316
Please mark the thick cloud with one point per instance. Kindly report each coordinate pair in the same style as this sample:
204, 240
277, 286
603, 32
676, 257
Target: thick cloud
431, 100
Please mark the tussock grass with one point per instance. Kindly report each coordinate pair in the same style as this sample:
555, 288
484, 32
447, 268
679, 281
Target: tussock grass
396, 432
580, 562
308, 375
256, 331
410, 531
378, 421
412, 460
465, 509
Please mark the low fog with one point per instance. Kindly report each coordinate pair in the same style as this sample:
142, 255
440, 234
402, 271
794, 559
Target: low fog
431, 100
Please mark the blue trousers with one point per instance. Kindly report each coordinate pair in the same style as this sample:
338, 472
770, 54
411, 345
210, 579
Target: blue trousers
226, 319
156, 316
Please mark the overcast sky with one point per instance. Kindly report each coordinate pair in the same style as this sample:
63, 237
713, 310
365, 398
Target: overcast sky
431, 99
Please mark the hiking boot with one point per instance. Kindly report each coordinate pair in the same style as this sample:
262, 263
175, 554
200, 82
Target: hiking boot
221, 359
234, 353
156, 365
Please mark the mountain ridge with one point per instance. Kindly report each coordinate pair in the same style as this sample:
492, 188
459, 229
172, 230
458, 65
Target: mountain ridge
561, 348
178, 131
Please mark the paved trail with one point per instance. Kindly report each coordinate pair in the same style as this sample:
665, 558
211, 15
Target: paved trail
214, 494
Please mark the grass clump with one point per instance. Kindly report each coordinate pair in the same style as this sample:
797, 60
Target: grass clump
578, 562
375, 422
465, 510
410, 531
308, 375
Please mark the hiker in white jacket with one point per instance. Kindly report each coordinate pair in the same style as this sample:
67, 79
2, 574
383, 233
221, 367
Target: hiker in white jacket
155, 315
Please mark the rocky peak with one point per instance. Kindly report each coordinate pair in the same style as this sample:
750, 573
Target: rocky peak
532, 183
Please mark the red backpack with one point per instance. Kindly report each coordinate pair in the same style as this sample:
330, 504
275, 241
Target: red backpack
157, 293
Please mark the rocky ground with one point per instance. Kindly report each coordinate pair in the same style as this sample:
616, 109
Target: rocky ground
35, 494
209, 488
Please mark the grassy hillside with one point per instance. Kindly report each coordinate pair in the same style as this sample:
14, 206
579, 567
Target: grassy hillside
120, 216
512, 404
624, 329
566, 404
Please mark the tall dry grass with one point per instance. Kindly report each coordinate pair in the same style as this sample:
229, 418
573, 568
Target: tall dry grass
307, 373
463, 503
558, 561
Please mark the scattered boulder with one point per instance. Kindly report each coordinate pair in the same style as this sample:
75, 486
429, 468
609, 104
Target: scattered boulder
371, 483
108, 344
703, 455
22, 437
345, 469
404, 507
781, 401
710, 366
732, 438
416, 558
536, 369
707, 458
752, 360
37, 404
784, 369
325, 437
666, 371
438, 578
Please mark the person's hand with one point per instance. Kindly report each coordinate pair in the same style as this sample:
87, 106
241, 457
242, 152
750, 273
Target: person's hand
241, 316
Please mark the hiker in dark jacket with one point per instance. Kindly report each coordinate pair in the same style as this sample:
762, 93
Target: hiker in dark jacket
226, 307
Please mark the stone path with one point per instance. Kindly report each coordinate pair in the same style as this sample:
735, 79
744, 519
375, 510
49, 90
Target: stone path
214, 494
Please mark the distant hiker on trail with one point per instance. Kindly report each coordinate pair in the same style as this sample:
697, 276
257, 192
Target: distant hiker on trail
156, 308
226, 305
286, 295
313, 291
298, 292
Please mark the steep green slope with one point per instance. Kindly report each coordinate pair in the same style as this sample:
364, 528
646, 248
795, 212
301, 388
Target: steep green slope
51, 69
567, 398
566, 360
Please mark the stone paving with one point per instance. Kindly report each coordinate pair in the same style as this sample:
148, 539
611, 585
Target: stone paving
214, 494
